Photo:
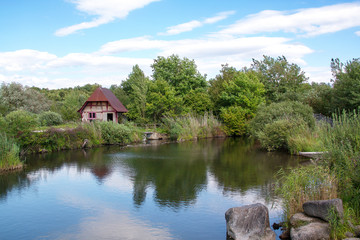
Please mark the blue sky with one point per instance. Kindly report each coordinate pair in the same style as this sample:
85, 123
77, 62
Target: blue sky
66, 43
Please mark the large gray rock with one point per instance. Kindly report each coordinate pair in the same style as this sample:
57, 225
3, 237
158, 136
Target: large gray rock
300, 219
311, 231
250, 222
321, 208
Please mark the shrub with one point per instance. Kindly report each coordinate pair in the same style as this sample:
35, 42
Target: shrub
114, 133
50, 118
9, 153
303, 184
20, 121
235, 120
273, 125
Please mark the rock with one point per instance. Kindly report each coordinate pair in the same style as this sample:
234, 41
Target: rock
321, 208
349, 235
357, 231
250, 222
285, 234
276, 226
300, 219
351, 239
311, 231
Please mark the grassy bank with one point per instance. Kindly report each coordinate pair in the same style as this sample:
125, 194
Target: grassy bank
336, 175
95, 134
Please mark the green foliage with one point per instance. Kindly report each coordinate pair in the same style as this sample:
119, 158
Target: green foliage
9, 153
16, 97
114, 133
136, 88
72, 103
182, 74
306, 140
339, 227
281, 79
320, 98
236, 120
307, 183
273, 125
192, 127
346, 84
162, 100
50, 119
198, 101
232, 87
342, 143
20, 121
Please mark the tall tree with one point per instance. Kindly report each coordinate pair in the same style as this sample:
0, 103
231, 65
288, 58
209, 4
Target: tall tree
182, 74
346, 83
162, 100
282, 80
136, 88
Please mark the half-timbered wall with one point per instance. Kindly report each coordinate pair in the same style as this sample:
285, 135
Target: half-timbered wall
100, 110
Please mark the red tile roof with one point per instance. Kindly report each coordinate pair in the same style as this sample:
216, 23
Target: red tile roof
105, 95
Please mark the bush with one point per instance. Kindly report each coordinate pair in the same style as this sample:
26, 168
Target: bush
20, 121
273, 125
50, 118
235, 120
114, 133
9, 153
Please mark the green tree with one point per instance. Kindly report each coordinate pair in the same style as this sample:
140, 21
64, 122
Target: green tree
236, 95
182, 74
15, 96
198, 101
72, 103
162, 100
346, 83
282, 80
320, 98
136, 88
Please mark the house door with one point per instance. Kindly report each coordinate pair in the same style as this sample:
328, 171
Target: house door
110, 117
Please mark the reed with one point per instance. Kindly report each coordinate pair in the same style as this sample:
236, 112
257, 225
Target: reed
9, 153
299, 185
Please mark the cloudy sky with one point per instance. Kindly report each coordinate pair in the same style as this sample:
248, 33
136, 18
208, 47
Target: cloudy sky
66, 43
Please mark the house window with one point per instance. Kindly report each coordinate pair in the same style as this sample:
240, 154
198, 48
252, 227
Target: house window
92, 115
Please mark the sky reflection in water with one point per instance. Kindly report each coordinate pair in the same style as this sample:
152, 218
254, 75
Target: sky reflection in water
168, 191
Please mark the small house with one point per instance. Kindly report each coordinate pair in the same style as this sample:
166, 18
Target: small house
102, 105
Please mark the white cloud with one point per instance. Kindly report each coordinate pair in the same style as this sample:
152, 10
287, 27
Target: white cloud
106, 11
307, 22
357, 33
189, 26
318, 74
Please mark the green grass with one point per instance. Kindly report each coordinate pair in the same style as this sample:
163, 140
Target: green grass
307, 183
9, 153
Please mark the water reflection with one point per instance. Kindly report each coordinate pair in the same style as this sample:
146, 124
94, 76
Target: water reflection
167, 191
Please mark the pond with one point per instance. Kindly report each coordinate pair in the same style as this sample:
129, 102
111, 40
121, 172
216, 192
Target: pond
154, 191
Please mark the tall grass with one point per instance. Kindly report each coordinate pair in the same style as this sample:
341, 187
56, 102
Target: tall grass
342, 142
303, 184
9, 153
192, 127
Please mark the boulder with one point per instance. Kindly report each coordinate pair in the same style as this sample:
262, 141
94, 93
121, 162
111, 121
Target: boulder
357, 231
321, 208
311, 231
300, 219
250, 222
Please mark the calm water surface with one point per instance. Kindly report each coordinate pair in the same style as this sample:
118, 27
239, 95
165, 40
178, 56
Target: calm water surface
167, 191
